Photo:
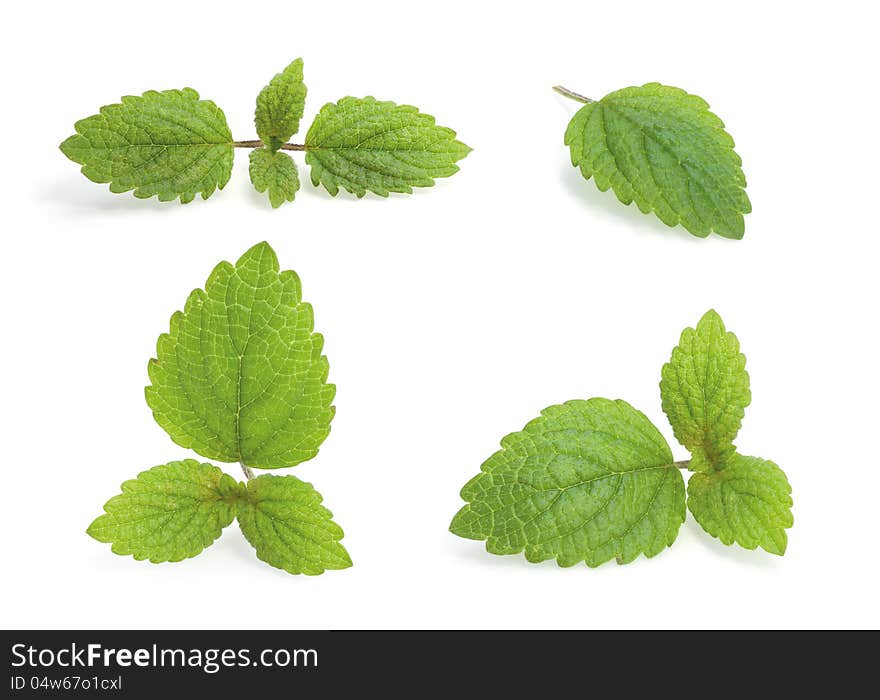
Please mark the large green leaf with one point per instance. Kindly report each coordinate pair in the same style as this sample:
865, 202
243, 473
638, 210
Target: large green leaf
586, 481
240, 376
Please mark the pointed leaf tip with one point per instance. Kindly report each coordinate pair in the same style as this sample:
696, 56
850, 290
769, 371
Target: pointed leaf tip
263, 254
711, 316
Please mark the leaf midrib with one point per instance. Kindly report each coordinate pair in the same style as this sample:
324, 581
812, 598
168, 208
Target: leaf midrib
669, 150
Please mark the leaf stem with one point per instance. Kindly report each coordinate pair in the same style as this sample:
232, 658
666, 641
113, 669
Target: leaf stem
247, 471
256, 143
572, 95
684, 464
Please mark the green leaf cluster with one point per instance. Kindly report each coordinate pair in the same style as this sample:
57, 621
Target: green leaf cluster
591, 481
662, 148
239, 377
173, 145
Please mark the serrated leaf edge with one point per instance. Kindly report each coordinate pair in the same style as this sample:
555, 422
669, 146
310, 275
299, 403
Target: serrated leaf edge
530, 426
644, 206
183, 198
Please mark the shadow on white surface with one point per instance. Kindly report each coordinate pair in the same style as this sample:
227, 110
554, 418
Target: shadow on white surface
608, 204
514, 562
757, 558
237, 551
76, 193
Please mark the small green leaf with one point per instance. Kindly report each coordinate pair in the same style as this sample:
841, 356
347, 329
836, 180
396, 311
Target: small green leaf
168, 144
364, 145
240, 376
170, 512
276, 172
705, 390
280, 106
747, 501
282, 517
586, 481
663, 149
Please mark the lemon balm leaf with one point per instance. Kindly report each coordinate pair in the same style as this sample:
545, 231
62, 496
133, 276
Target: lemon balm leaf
587, 481
169, 145
240, 376
747, 501
364, 145
704, 390
662, 148
170, 512
594, 480
280, 105
276, 173
173, 145
282, 517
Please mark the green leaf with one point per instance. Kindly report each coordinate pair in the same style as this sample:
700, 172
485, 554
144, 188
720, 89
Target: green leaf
276, 172
663, 149
747, 501
170, 512
280, 106
586, 481
240, 377
705, 390
168, 144
364, 145
282, 517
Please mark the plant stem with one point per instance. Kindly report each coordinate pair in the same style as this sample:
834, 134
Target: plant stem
573, 95
683, 464
256, 143
247, 471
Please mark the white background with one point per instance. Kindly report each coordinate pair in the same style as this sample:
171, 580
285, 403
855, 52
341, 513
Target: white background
451, 316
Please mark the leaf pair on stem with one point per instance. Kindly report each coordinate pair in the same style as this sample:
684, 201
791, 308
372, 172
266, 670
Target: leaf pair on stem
174, 145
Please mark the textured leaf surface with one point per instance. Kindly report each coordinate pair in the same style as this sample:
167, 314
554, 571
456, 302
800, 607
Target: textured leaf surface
275, 172
240, 375
748, 501
663, 149
586, 481
705, 390
167, 144
280, 105
170, 512
363, 145
282, 517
